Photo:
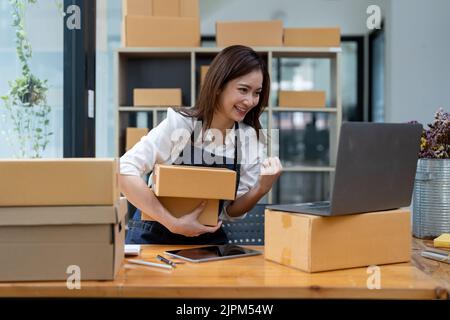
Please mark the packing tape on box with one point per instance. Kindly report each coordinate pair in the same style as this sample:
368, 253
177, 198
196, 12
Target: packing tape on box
286, 220
286, 256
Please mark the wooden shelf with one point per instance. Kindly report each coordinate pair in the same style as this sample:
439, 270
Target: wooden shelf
300, 109
141, 109
275, 109
277, 50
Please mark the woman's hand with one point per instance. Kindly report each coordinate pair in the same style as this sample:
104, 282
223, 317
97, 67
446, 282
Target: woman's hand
189, 226
271, 169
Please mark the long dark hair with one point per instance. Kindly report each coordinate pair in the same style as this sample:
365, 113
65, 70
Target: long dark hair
231, 63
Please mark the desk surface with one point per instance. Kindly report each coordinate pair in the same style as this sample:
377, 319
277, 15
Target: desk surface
251, 277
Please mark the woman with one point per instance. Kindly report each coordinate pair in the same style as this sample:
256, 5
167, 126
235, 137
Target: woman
224, 120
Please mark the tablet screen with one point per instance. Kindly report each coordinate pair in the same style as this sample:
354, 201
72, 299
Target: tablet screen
208, 253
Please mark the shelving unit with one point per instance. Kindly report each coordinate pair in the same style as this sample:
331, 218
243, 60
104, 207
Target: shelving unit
155, 67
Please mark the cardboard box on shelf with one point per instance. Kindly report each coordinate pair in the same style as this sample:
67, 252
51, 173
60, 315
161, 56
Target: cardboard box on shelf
189, 8
193, 182
50, 243
178, 207
303, 99
133, 136
143, 31
137, 7
312, 37
313, 243
166, 8
147, 97
59, 182
250, 33
203, 71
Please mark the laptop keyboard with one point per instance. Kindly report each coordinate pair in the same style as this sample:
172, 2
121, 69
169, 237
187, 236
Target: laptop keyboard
319, 204
317, 208
320, 207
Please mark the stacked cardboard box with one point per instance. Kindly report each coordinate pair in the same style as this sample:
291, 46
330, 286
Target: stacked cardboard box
182, 188
313, 243
312, 37
161, 23
60, 217
250, 33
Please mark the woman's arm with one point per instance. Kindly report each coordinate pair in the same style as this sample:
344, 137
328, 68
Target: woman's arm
142, 197
270, 171
245, 203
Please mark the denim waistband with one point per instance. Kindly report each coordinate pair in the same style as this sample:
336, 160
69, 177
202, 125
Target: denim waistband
139, 224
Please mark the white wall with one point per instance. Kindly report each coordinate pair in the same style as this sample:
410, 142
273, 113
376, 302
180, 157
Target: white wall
417, 59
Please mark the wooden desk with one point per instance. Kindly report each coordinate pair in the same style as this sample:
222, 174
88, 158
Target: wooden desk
439, 271
250, 277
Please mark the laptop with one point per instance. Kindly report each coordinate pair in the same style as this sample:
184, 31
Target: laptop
375, 170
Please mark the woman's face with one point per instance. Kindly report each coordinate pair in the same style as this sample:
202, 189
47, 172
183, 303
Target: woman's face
240, 95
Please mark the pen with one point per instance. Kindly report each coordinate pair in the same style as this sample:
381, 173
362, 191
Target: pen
150, 264
161, 258
436, 256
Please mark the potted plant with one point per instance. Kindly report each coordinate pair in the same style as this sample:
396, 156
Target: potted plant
431, 198
25, 105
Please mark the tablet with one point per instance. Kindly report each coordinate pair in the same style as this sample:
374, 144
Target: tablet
210, 253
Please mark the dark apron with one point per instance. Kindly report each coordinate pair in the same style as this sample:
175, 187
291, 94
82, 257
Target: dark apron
153, 232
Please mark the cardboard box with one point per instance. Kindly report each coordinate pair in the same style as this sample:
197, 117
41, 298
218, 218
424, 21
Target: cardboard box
143, 31
133, 136
59, 182
303, 99
194, 182
156, 97
250, 33
313, 243
203, 71
41, 243
178, 207
312, 37
166, 8
137, 7
190, 8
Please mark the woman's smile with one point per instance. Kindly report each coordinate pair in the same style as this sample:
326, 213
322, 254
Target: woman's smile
241, 111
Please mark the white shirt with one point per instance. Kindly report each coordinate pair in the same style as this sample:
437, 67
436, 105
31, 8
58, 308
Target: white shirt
163, 144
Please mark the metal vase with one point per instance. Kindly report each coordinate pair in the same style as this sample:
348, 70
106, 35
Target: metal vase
431, 198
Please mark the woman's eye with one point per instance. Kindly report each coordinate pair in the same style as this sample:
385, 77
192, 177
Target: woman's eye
244, 90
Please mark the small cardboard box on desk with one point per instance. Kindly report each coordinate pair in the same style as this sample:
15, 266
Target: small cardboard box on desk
51, 224
182, 188
313, 243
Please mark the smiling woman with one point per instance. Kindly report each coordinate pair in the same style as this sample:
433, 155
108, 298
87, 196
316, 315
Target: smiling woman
236, 79
238, 97
233, 96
